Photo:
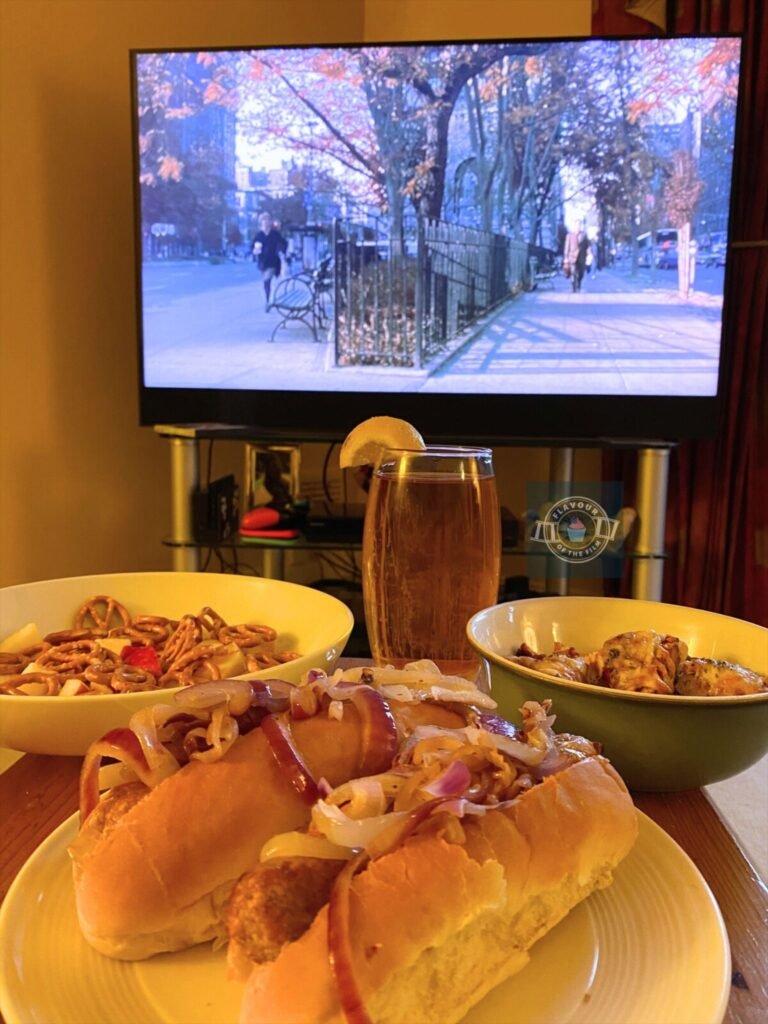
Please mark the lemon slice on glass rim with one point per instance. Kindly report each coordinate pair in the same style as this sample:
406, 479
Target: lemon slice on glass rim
365, 442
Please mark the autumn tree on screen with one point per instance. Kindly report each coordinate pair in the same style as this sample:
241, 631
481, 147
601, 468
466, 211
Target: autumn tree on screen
499, 136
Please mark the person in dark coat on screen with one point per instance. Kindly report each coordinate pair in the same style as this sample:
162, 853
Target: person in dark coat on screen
269, 248
575, 256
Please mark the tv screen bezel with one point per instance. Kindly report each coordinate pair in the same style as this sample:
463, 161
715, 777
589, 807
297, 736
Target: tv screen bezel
491, 418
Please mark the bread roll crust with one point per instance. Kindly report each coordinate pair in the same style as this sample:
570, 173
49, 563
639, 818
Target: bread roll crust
436, 926
158, 879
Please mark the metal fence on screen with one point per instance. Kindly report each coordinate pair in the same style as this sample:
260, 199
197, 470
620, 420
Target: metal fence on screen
400, 299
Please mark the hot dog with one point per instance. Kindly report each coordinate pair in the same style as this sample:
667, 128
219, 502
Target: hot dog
491, 846
205, 782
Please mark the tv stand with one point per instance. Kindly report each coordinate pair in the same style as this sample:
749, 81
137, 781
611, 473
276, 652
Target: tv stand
650, 499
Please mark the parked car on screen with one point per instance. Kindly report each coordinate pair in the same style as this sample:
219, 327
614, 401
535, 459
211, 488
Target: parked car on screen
713, 254
666, 259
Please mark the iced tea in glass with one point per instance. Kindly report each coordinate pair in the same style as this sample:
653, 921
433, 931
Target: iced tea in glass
431, 554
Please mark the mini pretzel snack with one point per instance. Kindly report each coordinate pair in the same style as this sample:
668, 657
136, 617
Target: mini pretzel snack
108, 650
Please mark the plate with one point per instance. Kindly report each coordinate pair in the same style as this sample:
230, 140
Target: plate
309, 621
651, 947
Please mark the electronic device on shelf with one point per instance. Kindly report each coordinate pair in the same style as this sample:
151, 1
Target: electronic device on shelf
332, 521
215, 510
428, 280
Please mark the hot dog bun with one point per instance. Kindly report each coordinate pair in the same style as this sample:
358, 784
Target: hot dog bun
155, 877
434, 925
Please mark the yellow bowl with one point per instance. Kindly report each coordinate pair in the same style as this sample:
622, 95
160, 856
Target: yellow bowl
656, 741
315, 624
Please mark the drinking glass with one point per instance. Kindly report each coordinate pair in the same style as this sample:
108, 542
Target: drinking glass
431, 554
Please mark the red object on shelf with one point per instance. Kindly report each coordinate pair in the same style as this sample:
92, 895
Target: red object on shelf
262, 518
285, 534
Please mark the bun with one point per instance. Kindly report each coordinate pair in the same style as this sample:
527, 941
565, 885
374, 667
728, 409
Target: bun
434, 925
155, 876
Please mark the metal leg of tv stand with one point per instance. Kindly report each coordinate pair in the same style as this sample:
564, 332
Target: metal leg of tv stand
560, 472
184, 478
651, 500
184, 482
273, 563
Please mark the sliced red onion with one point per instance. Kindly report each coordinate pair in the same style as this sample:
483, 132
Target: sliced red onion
340, 946
361, 798
518, 750
555, 761
340, 689
145, 724
221, 733
278, 735
537, 724
355, 833
459, 807
121, 744
423, 732
454, 781
403, 824
336, 710
235, 692
379, 737
339, 938
238, 694
400, 693
304, 702
469, 695
498, 726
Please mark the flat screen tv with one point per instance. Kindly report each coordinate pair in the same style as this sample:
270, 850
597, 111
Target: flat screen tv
496, 240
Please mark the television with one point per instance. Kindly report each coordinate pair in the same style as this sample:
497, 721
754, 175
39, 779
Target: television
497, 240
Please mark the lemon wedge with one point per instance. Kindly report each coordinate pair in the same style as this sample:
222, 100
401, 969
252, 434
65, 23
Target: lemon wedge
364, 443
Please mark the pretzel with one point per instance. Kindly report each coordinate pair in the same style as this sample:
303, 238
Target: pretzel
66, 636
97, 680
130, 679
101, 668
197, 672
33, 684
72, 657
194, 666
100, 610
186, 649
247, 635
152, 629
35, 650
12, 664
188, 633
256, 659
211, 620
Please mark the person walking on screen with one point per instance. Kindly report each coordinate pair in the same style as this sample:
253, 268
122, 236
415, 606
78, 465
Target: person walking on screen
269, 248
575, 256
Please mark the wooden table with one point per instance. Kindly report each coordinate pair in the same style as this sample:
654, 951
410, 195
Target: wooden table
37, 793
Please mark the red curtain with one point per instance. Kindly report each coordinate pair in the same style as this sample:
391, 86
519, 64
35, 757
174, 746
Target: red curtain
717, 509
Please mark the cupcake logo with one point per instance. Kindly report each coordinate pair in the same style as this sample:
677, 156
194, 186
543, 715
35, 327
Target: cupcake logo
575, 529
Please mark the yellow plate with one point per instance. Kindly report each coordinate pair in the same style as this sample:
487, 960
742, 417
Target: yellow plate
652, 947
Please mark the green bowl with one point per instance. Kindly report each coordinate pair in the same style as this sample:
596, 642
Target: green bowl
656, 741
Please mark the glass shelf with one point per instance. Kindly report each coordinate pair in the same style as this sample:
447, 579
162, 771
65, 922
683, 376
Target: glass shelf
327, 544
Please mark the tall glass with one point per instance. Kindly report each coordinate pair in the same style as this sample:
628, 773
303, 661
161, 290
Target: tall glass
431, 554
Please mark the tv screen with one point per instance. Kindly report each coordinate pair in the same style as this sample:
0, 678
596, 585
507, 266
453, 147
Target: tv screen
494, 239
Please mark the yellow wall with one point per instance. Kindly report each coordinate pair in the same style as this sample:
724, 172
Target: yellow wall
82, 487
